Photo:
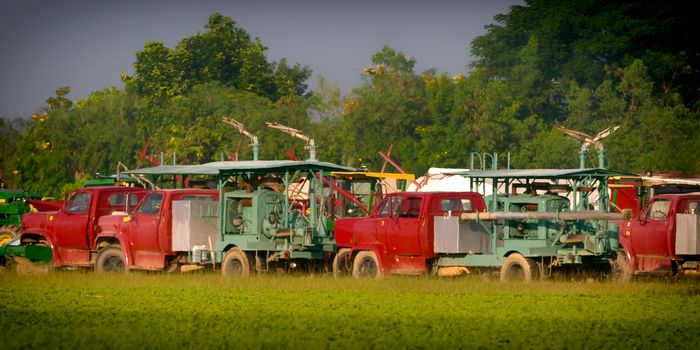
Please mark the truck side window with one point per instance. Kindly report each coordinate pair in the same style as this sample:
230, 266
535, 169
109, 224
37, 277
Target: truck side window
689, 206
455, 204
197, 198
134, 200
466, 204
116, 199
410, 208
694, 208
151, 205
659, 209
79, 203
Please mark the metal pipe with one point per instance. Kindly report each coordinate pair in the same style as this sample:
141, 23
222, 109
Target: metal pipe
391, 161
576, 215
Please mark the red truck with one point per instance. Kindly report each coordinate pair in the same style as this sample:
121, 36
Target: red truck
398, 236
663, 237
164, 232
70, 231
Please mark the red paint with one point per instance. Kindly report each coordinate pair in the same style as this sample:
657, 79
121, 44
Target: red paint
649, 239
71, 230
400, 229
145, 236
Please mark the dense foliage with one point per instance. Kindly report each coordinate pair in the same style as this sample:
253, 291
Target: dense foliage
584, 65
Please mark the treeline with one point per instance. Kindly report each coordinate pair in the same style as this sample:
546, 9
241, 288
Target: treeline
586, 65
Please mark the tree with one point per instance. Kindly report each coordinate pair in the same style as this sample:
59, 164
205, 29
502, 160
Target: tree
387, 109
224, 53
593, 64
10, 135
577, 40
60, 101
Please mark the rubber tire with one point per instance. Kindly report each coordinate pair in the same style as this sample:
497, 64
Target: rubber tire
7, 233
516, 267
110, 260
235, 264
621, 269
366, 265
342, 263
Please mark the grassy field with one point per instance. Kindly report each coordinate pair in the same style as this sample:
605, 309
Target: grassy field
82, 310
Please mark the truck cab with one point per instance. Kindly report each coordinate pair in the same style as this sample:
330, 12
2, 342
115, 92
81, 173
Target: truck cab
398, 236
662, 237
156, 234
70, 231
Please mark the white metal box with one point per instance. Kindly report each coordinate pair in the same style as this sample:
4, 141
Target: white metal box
687, 228
194, 223
453, 235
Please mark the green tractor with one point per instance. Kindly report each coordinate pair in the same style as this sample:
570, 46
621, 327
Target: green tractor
13, 203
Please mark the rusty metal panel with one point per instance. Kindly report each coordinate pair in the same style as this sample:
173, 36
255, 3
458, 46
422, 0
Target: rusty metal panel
194, 224
453, 235
687, 228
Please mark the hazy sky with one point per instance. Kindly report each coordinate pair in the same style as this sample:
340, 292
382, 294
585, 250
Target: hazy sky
87, 44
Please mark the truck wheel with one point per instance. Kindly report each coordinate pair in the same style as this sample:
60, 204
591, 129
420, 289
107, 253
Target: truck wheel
235, 264
110, 260
518, 268
341, 263
621, 269
366, 265
7, 233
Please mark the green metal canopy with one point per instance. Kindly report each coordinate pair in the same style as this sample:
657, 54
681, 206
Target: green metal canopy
229, 167
541, 173
172, 169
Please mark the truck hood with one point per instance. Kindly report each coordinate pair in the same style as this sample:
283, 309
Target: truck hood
343, 231
36, 221
109, 224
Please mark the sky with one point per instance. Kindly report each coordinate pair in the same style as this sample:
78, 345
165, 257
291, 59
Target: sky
87, 45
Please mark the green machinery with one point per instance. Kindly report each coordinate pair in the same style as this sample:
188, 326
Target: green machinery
540, 221
273, 214
13, 203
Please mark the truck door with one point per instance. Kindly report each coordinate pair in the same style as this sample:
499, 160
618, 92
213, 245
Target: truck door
403, 226
144, 224
648, 235
71, 223
383, 221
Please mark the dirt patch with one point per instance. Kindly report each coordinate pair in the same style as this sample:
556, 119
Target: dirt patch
24, 266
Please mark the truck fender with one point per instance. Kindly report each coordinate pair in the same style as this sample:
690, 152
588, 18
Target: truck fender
42, 235
378, 252
104, 240
112, 233
629, 253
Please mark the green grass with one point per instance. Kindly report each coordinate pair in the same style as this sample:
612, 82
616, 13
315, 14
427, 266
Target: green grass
83, 310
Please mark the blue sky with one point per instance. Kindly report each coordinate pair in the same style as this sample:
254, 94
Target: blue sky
87, 44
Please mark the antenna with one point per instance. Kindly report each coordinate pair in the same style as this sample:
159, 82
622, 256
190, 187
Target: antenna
310, 143
253, 139
588, 140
